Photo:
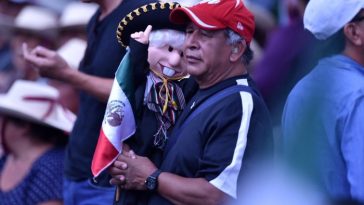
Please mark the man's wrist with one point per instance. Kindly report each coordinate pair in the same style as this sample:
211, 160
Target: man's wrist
151, 183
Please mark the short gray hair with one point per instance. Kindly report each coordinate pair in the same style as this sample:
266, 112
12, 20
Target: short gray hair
163, 37
234, 38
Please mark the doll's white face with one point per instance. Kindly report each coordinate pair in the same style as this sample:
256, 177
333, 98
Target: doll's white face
167, 61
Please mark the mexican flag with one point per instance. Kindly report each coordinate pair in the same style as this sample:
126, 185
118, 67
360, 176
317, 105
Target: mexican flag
119, 123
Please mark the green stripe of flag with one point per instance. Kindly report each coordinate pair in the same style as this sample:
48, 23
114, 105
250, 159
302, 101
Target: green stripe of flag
124, 77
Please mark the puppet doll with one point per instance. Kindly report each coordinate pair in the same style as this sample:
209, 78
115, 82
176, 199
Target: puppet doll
162, 87
160, 78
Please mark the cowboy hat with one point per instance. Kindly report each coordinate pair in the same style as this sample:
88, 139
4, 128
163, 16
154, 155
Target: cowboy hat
36, 103
36, 20
76, 14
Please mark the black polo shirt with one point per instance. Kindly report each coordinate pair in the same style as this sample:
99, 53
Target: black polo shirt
222, 141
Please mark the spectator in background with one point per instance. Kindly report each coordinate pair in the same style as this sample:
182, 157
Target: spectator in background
94, 79
8, 11
71, 44
11, 8
56, 6
34, 25
34, 132
73, 21
323, 132
289, 55
264, 22
267, 4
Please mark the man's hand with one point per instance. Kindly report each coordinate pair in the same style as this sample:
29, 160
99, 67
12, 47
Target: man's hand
116, 168
142, 36
51, 65
48, 62
130, 171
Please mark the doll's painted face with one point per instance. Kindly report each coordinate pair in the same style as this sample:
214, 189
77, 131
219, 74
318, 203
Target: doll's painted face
166, 60
165, 54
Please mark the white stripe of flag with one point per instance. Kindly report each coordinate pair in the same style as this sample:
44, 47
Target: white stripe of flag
119, 123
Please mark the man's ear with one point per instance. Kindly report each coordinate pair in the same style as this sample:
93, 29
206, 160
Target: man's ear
237, 51
354, 34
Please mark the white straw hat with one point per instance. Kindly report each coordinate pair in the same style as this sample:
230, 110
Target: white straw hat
77, 14
36, 20
37, 103
323, 18
73, 51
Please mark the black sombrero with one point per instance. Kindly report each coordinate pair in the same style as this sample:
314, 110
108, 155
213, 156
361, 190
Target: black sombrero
155, 14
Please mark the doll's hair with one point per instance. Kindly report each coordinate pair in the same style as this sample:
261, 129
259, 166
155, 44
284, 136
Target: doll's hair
163, 37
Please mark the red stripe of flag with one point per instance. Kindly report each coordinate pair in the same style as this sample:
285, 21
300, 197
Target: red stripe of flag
104, 155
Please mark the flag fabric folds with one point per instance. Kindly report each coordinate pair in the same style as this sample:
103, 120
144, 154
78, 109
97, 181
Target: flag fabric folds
118, 123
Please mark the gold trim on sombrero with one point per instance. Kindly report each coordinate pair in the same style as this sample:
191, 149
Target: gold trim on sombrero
154, 6
163, 5
137, 12
130, 16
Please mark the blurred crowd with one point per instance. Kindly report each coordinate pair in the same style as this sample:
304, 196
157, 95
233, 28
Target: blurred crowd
284, 52
60, 26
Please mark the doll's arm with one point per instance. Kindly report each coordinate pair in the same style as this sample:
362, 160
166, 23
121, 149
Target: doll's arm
142, 36
139, 55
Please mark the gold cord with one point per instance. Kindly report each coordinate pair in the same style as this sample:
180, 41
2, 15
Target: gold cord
165, 85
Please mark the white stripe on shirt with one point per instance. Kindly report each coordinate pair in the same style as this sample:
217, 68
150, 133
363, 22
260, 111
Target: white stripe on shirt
228, 178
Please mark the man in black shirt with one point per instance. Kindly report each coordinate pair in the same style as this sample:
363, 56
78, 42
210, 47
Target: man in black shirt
224, 130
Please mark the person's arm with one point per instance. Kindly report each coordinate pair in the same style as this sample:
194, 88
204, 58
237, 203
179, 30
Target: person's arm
181, 190
352, 145
95, 86
51, 65
131, 174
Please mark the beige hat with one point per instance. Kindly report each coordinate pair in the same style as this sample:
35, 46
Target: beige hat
323, 18
38, 20
77, 14
37, 103
73, 51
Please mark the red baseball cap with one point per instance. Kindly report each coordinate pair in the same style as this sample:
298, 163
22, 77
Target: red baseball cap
218, 14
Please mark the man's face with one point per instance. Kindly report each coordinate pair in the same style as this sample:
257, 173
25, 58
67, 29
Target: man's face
206, 52
354, 32
166, 60
360, 24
